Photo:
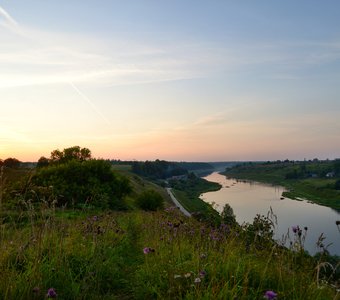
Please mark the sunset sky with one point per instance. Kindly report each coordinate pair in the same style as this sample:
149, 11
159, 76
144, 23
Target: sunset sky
176, 80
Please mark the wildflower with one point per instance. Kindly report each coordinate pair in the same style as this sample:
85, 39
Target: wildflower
197, 280
295, 228
51, 293
147, 250
202, 273
270, 295
187, 275
177, 276
95, 218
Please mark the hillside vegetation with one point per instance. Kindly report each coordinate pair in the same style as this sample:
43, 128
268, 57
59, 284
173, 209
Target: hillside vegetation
70, 246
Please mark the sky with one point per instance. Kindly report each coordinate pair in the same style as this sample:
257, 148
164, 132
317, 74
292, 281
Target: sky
176, 80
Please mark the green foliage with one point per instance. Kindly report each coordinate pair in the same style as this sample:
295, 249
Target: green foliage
228, 216
260, 232
43, 162
71, 153
158, 169
150, 200
188, 191
11, 163
337, 184
78, 182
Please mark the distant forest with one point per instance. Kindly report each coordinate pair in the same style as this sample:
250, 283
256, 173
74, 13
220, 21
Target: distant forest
161, 169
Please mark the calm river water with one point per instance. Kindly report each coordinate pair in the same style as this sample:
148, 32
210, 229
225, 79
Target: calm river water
250, 198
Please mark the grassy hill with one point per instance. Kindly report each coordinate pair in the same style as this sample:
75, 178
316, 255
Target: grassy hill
140, 255
94, 253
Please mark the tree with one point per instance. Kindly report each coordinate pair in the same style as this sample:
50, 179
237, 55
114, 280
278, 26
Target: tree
337, 184
227, 215
12, 163
43, 162
71, 153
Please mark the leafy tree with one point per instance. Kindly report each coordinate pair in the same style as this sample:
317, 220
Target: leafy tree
11, 163
71, 153
43, 162
150, 200
337, 166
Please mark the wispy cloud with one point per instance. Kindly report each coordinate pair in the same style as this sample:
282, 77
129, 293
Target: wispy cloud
89, 101
8, 21
44, 58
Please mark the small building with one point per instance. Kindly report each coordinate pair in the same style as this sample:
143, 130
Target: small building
330, 174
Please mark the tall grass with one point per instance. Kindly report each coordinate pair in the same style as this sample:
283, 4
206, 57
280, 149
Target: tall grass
139, 255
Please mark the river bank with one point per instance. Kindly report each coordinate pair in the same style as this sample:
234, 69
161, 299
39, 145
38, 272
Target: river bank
314, 187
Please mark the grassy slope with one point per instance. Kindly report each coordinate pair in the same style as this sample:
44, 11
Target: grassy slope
140, 184
101, 257
314, 189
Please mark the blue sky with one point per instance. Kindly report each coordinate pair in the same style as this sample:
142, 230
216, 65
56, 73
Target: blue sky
176, 80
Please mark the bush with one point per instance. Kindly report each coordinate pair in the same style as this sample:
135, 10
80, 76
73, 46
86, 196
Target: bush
150, 200
75, 183
228, 216
337, 184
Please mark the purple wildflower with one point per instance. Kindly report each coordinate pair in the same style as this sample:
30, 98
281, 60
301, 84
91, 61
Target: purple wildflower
295, 228
51, 293
270, 295
202, 273
147, 250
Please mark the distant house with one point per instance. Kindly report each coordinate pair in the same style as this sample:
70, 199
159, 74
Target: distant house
330, 174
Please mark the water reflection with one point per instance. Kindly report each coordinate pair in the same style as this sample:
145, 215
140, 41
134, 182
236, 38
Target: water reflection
250, 198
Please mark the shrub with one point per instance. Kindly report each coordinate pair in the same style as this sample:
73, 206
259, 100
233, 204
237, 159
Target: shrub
337, 184
78, 182
150, 200
228, 216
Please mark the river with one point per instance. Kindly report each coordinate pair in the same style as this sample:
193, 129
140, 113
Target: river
250, 198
